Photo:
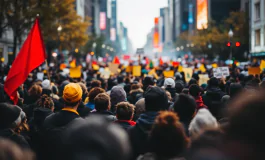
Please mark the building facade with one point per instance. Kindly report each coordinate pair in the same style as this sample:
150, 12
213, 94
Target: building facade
257, 27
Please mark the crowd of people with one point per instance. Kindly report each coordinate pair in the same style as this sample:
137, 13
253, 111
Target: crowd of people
134, 118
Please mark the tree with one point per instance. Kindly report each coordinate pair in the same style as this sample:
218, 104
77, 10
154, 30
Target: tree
212, 41
20, 14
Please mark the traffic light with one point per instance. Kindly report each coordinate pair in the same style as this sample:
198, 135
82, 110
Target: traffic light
228, 44
238, 44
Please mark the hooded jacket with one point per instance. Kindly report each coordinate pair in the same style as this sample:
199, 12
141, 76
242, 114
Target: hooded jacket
135, 95
199, 103
139, 133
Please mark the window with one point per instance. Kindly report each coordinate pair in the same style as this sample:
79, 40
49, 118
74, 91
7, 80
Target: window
257, 37
257, 11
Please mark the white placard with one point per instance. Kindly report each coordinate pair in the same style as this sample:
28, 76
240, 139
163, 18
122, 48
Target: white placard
221, 72
40, 75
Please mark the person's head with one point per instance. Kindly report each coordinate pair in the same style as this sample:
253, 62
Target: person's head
117, 95
104, 141
35, 91
195, 90
185, 106
10, 116
148, 81
45, 102
46, 84
72, 95
202, 120
185, 91
120, 79
102, 102
94, 92
169, 83
192, 81
167, 137
84, 90
213, 82
245, 129
179, 87
11, 151
168, 95
135, 86
55, 90
124, 111
208, 145
235, 89
155, 99
95, 83
139, 107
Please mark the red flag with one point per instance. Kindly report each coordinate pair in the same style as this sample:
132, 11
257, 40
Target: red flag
116, 60
161, 61
31, 55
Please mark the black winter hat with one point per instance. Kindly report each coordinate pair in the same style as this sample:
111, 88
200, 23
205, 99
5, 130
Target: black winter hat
155, 99
8, 114
97, 139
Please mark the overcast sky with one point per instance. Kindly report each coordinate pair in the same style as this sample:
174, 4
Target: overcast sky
138, 16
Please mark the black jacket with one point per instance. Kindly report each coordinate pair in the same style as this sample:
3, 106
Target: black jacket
135, 95
55, 133
139, 133
109, 116
212, 99
14, 137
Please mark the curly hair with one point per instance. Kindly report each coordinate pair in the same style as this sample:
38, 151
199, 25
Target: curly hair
167, 137
45, 102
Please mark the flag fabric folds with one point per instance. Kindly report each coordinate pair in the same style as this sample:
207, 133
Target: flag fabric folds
31, 55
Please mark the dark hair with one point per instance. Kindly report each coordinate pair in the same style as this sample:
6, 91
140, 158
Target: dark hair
102, 102
94, 92
45, 102
179, 87
135, 86
192, 81
195, 90
235, 89
155, 99
167, 137
213, 82
185, 91
95, 83
185, 106
120, 79
124, 111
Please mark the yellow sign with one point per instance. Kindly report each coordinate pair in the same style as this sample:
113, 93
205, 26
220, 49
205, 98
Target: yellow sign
254, 70
188, 73
180, 69
168, 74
95, 67
214, 65
75, 72
262, 65
153, 73
202, 68
136, 71
129, 69
203, 79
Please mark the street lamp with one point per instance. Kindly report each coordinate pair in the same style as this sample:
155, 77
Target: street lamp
231, 34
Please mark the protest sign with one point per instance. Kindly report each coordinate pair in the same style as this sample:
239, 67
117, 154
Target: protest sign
153, 73
136, 71
188, 73
168, 74
254, 70
113, 68
221, 72
75, 72
105, 74
203, 79
129, 69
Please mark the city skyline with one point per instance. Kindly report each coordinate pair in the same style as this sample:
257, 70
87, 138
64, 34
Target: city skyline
142, 12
